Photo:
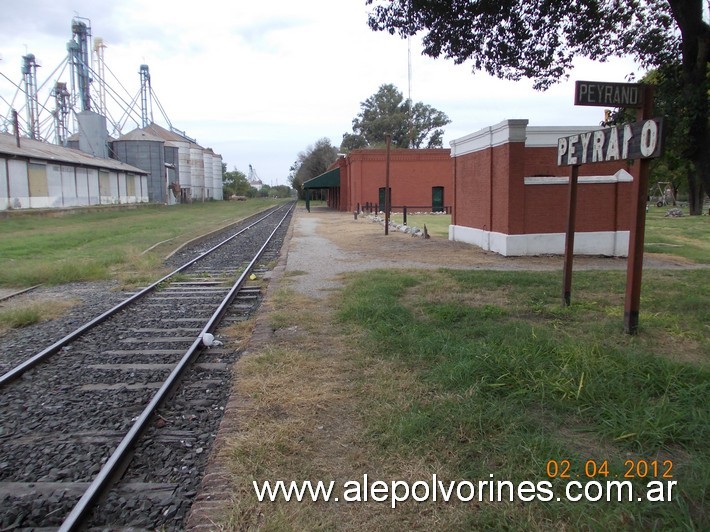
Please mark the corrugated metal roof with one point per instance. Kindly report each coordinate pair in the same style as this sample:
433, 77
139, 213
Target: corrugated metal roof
140, 134
74, 137
34, 149
167, 135
329, 179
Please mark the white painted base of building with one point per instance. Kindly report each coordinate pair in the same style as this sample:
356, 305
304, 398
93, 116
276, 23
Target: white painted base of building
607, 243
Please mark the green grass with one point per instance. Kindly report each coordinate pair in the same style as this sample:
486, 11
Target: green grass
16, 317
508, 379
686, 236
83, 246
436, 224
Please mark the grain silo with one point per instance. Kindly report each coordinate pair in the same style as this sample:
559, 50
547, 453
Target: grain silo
217, 176
146, 151
207, 163
182, 166
197, 172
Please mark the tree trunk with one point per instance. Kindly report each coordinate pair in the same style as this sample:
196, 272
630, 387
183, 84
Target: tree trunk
700, 140
695, 34
696, 194
675, 192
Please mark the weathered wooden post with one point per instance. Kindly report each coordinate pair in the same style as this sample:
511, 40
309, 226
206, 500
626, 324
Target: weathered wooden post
634, 266
569, 236
641, 140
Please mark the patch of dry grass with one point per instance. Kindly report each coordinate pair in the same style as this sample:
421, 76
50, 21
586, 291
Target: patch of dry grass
14, 315
239, 333
441, 289
304, 394
295, 422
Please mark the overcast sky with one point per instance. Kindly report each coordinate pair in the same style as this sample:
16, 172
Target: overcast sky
258, 82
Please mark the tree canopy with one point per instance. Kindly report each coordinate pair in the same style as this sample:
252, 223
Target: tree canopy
312, 162
675, 164
513, 39
411, 125
234, 183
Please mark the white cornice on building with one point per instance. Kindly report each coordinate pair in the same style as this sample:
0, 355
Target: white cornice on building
514, 130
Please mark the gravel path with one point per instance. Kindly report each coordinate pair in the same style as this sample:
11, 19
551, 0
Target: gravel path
316, 262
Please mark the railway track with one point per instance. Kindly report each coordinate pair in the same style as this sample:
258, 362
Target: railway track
111, 426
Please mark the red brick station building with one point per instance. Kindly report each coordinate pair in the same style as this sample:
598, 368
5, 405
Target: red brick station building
502, 186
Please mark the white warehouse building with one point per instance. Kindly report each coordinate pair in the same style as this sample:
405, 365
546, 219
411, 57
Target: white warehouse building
38, 175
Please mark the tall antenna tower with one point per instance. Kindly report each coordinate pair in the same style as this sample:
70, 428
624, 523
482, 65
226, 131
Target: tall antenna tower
410, 140
409, 67
29, 75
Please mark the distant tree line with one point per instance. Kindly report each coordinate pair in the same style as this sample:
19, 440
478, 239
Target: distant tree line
235, 183
312, 162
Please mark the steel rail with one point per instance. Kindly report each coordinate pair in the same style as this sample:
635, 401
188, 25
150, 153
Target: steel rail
120, 457
19, 292
18, 370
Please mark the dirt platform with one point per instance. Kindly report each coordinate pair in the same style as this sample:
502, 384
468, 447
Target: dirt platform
327, 243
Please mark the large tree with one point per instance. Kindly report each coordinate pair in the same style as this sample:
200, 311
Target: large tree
387, 112
513, 39
312, 162
234, 183
674, 166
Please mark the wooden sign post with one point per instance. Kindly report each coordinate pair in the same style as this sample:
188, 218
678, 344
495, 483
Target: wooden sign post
569, 235
634, 266
641, 140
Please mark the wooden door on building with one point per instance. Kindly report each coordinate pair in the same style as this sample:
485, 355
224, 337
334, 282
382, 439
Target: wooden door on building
382, 199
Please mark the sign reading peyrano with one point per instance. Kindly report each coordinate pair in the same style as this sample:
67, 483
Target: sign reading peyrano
599, 93
640, 140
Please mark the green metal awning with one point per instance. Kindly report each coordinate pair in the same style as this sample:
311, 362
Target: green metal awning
330, 179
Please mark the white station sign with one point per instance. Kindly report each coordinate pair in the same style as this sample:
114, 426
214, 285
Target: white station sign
640, 140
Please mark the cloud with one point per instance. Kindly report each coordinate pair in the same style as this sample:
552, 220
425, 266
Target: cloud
260, 81
51, 19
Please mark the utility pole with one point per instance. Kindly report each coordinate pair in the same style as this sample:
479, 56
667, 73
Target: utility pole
388, 200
